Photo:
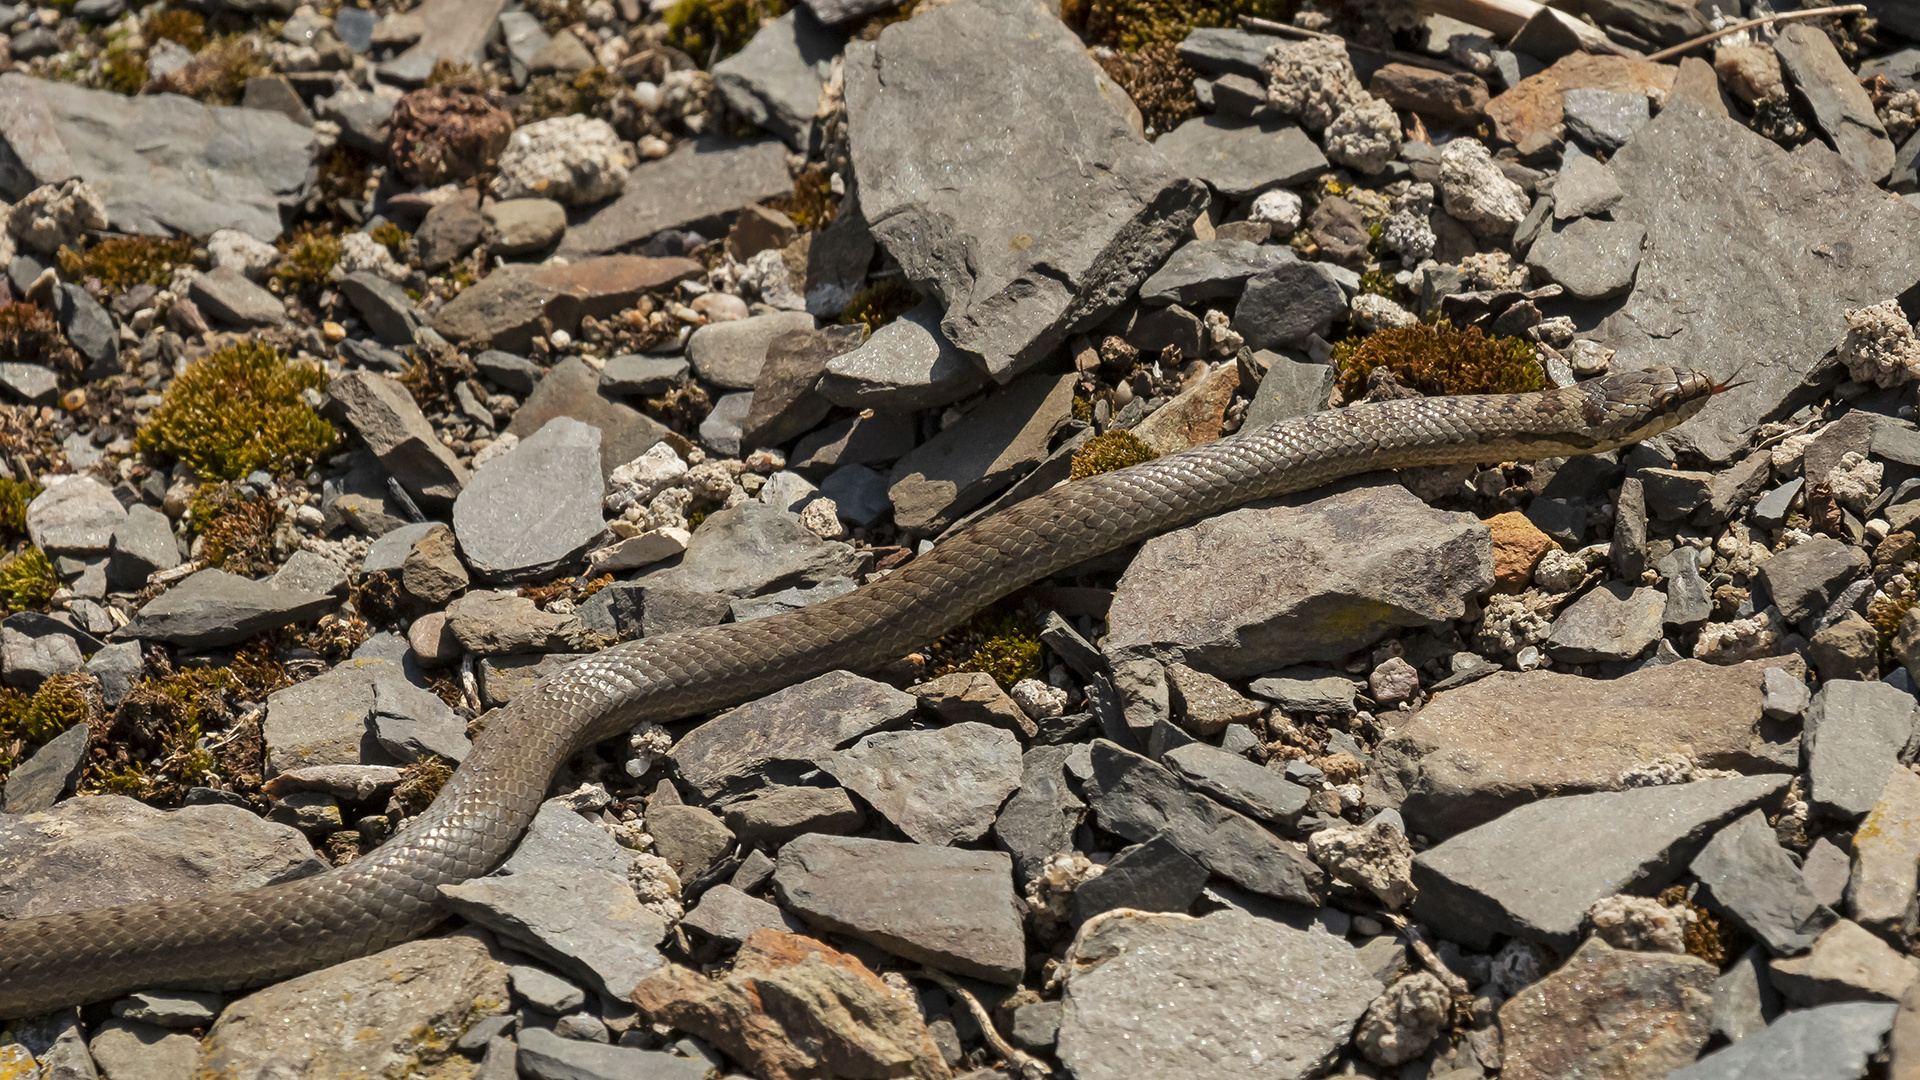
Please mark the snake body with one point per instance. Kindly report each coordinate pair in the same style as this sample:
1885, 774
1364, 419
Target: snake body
223, 942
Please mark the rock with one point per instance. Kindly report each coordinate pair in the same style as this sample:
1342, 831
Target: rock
1242, 158
1206, 705
229, 297
517, 227
385, 306
30, 654
1003, 438
572, 389
1613, 622
1257, 589
773, 817
642, 376
1533, 872
906, 365
1237, 782
411, 723
774, 83
1839, 105
940, 786
460, 33
1533, 106
1592, 259
118, 667
1039, 820
730, 354
1010, 302
1583, 188
945, 907
553, 1056
75, 515
1282, 306
1855, 733
1340, 231
133, 1049
1517, 547
507, 309
1138, 799
692, 840
535, 508
1154, 876
384, 415
323, 721
432, 572
729, 916
564, 898
449, 231
365, 118
1196, 416
170, 1008
1744, 1001
227, 167
720, 431
1604, 119
753, 548
29, 383
1609, 1012
1691, 156
728, 755
791, 1007
50, 861
544, 991
1747, 875
703, 179
1688, 603
1881, 891
1215, 1019
1288, 389
1210, 270
36, 783
491, 623
1830, 1042
1846, 963
572, 159
1475, 192
1847, 649
213, 607
1804, 579
973, 697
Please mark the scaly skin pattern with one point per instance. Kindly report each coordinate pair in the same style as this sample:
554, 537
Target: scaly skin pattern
261, 935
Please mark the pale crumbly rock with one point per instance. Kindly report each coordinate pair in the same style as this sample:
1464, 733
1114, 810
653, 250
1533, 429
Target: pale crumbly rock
656, 884
646, 744
1039, 700
1279, 208
1394, 681
1788, 452
821, 517
1311, 80
360, 252
1364, 136
1855, 480
1674, 768
570, 159
1375, 857
1639, 923
1559, 571
1752, 638
1409, 228
1492, 270
1404, 1021
235, 250
55, 214
1512, 623
1375, 312
639, 480
1051, 890
1881, 346
1476, 192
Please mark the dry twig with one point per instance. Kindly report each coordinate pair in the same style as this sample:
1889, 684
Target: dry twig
1030, 1067
1688, 46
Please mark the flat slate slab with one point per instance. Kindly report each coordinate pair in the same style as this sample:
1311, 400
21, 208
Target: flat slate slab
702, 180
728, 754
535, 508
213, 607
504, 311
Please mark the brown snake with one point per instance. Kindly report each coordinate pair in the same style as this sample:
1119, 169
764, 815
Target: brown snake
240, 939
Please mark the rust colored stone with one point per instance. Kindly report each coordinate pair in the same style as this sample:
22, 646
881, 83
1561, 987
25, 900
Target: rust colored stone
1608, 1012
1533, 107
506, 308
1517, 547
1459, 98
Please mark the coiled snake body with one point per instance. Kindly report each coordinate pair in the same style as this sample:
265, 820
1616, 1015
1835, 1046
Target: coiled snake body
240, 939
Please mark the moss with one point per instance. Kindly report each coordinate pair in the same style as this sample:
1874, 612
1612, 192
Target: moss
459, 75
123, 71
1439, 359
31, 335
187, 29
880, 303
1885, 613
1705, 936
237, 530
1001, 641
1130, 24
219, 74
1159, 82
1082, 409
28, 581
393, 238
238, 410
709, 30
1379, 283
420, 784
1114, 450
122, 262
14, 497
309, 256
587, 93
813, 204
343, 174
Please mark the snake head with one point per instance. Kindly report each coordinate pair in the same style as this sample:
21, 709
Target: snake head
1633, 405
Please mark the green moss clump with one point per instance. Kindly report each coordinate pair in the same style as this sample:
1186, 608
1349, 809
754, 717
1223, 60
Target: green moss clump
14, 497
28, 581
716, 29
187, 29
123, 71
1130, 24
393, 238
122, 262
237, 410
1379, 283
29, 720
1885, 612
1114, 450
880, 303
813, 204
588, 93
309, 255
219, 74
237, 530
1000, 641
1439, 359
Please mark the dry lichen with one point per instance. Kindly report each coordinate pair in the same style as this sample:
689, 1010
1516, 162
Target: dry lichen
31, 335
122, 262
237, 531
1705, 936
238, 410
218, 74
28, 581
1114, 450
880, 303
813, 204
187, 29
1130, 24
1439, 359
420, 784
1159, 82
308, 257
709, 30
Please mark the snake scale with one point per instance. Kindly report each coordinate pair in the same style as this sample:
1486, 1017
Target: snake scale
223, 942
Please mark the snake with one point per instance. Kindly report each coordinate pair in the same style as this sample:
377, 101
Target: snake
229, 941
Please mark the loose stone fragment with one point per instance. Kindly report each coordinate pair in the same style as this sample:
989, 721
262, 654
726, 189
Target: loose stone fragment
1609, 1012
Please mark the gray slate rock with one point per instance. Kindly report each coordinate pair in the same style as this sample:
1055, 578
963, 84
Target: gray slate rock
118, 667
76, 515
1854, 734
1282, 306
999, 441
1613, 622
774, 83
1881, 890
36, 783
753, 548
1533, 872
1592, 259
721, 431
572, 389
386, 418
212, 607
461, 29
564, 897
386, 307
1210, 270
1840, 105
638, 376
1604, 119
363, 117
945, 907
1804, 579
1215, 1019
1262, 793
224, 168
728, 915
939, 785
702, 180
514, 374
1215, 51
31, 654
1290, 388
1584, 187
1241, 158
88, 326
1688, 601
1744, 1000
536, 508
170, 1008
1308, 690
779, 814
1749, 876
1154, 876
544, 1055
1019, 261
323, 721
729, 354
545, 991
1257, 589
142, 545
1139, 799
906, 365
411, 723
228, 297
1039, 820
1828, 1042
29, 383
729, 755
692, 839
449, 231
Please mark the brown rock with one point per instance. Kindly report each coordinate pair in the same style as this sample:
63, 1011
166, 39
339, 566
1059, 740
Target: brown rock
449, 231
1697, 83
793, 1009
1847, 963
785, 404
1881, 889
1514, 737
1206, 705
1903, 1042
1612, 1013
432, 571
973, 697
1533, 106
506, 309
1458, 99
440, 135
757, 229
1194, 417
1341, 231
1517, 547
1750, 71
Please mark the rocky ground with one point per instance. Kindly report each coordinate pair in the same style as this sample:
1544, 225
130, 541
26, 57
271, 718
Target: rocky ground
367, 364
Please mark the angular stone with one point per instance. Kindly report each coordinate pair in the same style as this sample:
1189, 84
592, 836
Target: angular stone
642, 376
973, 697
449, 231
572, 389
323, 721
386, 418
1039, 820
1886, 848
779, 814
1214, 981
906, 365
1196, 416
29, 383
143, 544
1288, 389
730, 354
506, 309
1847, 963
1729, 217
411, 723
1592, 259
752, 548
939, 786
386, 307
224, 168
36, 783
728, 916
75, 515
460, 30
523, 227
1217, 51
1830, 1042
212, 607
1535, 871
720, 431
1534, 105
1840, 106
946, 907
1613, 622
545, 1053
54, 860
228, 297
490, 623
1747, 875
1308, 690
1014, 287
703, 180
1210, 270
1609, 1012
784, 401
1262, 793
1138, 799
431, 572
691, 839
1256, 589
1854, 735
1282, 306
1241, 158
1002, 439
729, 755
1804, 579
1584, 187
774, 83
1154, 876
536, 508
1604, 119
